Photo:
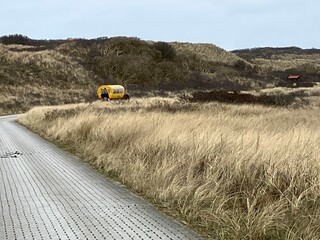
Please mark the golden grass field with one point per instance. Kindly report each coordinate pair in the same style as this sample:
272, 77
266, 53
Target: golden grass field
228, 171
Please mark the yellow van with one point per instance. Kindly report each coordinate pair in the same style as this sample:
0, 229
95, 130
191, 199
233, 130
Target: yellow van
112, 92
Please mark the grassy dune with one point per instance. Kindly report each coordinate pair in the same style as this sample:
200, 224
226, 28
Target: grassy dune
230, 172
304, 63
71, 70
31, 78
278, 63
206, 52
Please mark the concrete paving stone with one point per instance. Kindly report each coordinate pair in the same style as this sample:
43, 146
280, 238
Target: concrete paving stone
46, 193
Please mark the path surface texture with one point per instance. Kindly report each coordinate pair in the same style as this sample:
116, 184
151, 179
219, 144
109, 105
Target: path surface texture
46, 193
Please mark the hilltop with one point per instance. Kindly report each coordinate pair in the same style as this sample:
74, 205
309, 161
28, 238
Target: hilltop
46, 72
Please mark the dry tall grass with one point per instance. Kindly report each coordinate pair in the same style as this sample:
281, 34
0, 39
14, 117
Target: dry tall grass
28, 64
19, 99
286, 64
231, 172
290, 61
30, 77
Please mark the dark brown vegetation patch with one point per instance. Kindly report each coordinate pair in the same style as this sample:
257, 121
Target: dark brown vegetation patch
242, 98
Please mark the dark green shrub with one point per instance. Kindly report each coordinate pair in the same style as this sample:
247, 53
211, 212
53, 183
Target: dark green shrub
166, 50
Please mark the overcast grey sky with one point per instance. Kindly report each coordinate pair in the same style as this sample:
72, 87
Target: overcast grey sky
230, 24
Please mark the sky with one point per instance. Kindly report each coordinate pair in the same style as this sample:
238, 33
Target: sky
229, 24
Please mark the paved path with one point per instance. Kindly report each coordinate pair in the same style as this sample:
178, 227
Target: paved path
45, 193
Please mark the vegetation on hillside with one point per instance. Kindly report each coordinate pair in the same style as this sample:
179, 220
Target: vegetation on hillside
269, 52
231, 172
281, 62
46, 72
30, 78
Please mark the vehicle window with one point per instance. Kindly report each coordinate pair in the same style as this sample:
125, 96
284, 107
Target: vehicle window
116, 91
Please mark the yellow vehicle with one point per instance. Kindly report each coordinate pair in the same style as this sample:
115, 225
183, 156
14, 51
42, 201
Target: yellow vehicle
112, 92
